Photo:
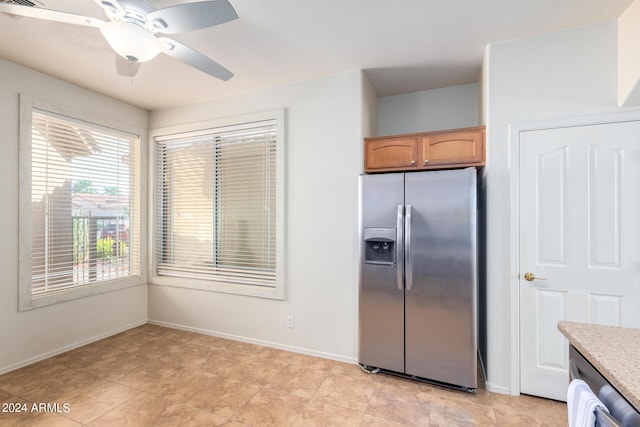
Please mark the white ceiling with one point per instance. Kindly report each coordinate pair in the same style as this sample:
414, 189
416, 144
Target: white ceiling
404, 45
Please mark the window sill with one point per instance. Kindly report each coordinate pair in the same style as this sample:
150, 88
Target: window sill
276, 293
30, 302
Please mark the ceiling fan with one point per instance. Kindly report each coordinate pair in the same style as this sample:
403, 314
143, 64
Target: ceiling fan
135, 29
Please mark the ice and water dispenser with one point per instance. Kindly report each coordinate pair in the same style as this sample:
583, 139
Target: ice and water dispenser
380, 245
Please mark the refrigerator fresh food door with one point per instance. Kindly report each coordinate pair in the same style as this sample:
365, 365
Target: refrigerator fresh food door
381, 311
440, 301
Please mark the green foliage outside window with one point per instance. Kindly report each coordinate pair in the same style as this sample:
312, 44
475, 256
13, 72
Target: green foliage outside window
106, 248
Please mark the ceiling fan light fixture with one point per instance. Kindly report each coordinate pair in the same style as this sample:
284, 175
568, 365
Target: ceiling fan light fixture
131, 41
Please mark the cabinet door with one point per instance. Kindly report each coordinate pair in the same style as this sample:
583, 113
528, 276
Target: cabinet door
392, 153
460, 148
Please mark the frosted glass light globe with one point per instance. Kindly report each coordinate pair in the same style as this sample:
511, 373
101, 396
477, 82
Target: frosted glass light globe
131, 41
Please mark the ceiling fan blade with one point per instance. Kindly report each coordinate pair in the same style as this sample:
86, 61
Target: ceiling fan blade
126, 68
191, 16
50, 15
195, 59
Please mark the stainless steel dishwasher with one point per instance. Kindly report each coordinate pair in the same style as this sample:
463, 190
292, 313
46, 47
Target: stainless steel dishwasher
621, 412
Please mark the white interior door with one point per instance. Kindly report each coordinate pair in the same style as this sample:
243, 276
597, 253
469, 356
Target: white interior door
580, 238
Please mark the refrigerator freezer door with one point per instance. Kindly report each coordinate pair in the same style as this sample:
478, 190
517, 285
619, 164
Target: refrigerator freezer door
441, 304
381, 311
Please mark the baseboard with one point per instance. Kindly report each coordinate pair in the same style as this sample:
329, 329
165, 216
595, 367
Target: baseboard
496, 388
60, 350
293, 349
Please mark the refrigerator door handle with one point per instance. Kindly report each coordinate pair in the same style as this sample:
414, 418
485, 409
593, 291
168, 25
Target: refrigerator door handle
408, 264
399, 247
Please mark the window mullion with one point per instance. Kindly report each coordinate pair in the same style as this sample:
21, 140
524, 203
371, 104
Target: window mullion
216, 205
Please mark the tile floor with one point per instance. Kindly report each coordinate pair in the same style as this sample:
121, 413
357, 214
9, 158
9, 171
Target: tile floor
155, 376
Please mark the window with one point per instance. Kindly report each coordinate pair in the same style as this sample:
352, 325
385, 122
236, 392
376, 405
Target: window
218, 206
80, 210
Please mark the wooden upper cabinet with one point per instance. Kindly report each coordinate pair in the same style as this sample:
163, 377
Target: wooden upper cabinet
428, 150
463, 147
392, 153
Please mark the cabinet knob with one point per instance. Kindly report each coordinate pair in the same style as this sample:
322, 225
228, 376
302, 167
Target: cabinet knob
426, 161
413, 162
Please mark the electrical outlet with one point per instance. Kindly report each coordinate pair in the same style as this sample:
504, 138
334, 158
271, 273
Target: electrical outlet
290, 320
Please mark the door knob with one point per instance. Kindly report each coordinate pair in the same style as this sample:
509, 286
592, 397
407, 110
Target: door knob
529, 277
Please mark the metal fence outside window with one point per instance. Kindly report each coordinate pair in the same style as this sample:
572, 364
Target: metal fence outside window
100, 249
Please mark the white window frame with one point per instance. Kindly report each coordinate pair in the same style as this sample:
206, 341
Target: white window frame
27, 301
276, 292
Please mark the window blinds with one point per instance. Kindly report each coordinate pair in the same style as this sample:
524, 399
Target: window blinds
84, 203
216, 204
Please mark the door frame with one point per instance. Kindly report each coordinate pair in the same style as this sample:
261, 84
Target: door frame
514, 131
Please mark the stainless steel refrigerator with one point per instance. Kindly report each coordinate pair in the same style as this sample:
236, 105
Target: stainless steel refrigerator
418, 275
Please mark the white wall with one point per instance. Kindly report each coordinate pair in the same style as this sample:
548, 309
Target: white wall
32, 335
436, 109
323, 150
564, 74
369, 108
628, 58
